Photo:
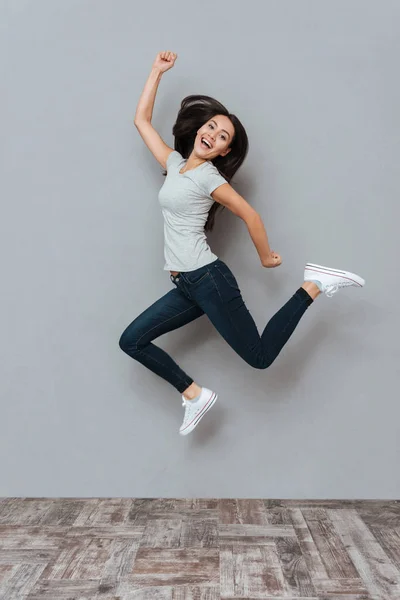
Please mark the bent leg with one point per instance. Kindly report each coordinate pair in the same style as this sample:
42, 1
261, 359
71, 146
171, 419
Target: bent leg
171, 311
281, 326
227, 311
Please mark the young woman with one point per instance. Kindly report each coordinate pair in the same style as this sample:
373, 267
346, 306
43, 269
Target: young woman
210, 145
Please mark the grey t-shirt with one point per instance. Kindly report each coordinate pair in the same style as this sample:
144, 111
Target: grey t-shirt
185, 200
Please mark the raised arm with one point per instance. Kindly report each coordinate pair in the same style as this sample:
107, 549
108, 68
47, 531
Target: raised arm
144, 111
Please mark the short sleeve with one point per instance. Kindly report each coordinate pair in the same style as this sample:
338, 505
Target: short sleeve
174, 158
212, 180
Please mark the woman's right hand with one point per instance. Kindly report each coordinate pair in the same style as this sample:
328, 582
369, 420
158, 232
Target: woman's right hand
274, 260
164, 61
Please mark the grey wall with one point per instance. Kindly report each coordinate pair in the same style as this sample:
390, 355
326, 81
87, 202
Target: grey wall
316, 86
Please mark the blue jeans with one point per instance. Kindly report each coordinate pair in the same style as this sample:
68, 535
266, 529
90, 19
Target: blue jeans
214, 291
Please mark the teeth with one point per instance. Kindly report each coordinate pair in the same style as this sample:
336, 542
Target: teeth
206, 142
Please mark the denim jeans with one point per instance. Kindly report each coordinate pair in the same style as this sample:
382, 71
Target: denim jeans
211, 290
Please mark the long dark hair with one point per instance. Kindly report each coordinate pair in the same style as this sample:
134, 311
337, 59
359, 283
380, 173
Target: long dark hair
194, 112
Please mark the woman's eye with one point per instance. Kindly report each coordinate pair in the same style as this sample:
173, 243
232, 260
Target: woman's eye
212, 127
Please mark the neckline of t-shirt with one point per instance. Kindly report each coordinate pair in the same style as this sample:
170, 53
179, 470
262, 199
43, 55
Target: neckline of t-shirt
194, 168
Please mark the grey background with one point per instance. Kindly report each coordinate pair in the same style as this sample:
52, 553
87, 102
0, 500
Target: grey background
316, 86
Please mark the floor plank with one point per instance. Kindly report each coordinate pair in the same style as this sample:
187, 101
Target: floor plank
198, 549
380, 575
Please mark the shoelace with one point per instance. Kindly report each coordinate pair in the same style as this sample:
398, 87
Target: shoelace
187, 403
189, 408
333, 287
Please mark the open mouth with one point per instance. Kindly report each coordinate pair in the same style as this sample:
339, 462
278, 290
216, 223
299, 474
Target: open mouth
206, 143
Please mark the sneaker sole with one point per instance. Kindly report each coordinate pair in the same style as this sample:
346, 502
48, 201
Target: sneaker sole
206, 408
345, 274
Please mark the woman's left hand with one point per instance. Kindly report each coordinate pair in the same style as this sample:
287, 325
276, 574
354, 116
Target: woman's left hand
274, 260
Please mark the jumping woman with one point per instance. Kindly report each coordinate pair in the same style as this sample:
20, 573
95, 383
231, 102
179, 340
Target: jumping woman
210, 146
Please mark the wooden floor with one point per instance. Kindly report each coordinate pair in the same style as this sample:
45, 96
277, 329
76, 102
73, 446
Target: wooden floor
207, 549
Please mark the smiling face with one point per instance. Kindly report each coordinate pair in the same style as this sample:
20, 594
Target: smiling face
214, 137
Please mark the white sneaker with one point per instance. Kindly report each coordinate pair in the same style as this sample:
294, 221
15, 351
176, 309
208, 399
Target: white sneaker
331, 279
195, 411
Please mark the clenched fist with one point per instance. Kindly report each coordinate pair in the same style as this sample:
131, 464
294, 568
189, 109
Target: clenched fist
164, 61
274, 260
